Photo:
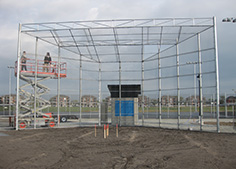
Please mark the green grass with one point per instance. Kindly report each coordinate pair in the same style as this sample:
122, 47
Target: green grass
149, 109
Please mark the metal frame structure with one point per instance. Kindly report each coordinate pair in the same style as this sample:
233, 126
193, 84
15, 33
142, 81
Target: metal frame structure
108, 41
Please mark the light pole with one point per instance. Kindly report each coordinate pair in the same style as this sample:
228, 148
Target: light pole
9, 102
200, 100
194, 81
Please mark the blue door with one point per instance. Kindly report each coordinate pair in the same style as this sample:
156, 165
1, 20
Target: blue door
127, 108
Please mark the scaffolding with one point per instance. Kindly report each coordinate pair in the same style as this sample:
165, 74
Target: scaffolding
157, 54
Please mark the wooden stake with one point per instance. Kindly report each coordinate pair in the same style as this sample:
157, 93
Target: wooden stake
104, 132
116, 130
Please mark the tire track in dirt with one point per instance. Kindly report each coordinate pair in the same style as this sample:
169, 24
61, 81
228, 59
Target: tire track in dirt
198, 144
215, 160
66, 153
27, 137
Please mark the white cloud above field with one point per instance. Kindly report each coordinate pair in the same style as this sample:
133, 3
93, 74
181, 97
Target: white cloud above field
13, 12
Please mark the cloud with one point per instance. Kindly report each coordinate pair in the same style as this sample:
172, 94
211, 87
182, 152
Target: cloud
13, 12
93, 14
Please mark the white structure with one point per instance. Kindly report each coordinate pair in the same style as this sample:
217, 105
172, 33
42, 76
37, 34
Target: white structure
151, 52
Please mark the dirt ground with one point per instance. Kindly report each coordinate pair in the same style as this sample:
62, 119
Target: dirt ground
136, 147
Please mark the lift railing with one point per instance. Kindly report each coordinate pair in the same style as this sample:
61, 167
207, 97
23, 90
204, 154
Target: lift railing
50, 69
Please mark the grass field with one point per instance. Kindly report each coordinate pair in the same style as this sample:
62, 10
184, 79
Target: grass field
146, 109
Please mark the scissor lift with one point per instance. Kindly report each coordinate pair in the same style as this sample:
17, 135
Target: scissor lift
27, 101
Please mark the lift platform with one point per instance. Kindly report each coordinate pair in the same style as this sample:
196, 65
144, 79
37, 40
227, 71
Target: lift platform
30, 73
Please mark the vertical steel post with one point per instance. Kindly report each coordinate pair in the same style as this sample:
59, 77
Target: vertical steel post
18, 76
214, 108
195, 86
211, 104
58, 84
80, 89
142, 77
233, 111
226, 109
120, 93
217, 76
190, 106
178, 89
142, 88
168, 111
99, 93
35, 81
200, 81
9, 96
159, 85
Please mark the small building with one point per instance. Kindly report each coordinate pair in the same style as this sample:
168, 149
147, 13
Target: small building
64, 101
191, 100
108, 100
231, 100
146, 101
169, 100
9, 99
124, 111
89, 101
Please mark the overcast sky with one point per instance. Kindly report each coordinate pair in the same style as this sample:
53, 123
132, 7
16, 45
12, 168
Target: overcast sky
13, 12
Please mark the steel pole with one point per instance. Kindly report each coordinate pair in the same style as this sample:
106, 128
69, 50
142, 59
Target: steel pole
190, 106
217, 76
200, 81
9, 102
211, 104
195, 87
226, 109
58, 85
18, 76
99, 93
80, 89
142, 77
120, 93
35, 81
178, 89
142, 88
159, 86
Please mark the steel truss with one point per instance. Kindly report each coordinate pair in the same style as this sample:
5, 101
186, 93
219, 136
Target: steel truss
85, 37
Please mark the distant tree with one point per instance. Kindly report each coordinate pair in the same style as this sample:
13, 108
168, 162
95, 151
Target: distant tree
154, 101
74, 102
222, 99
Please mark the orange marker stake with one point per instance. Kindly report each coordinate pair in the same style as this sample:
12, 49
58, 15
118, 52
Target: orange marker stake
107, 130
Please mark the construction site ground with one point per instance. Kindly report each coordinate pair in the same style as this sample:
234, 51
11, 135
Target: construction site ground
135, 147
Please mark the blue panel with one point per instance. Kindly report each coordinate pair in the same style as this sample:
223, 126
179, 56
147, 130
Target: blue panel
127, 108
